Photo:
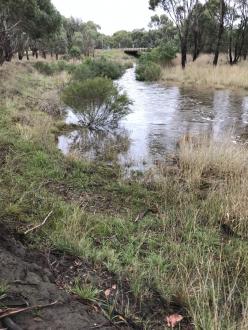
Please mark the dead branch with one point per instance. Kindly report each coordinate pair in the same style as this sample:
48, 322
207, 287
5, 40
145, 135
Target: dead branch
40, 225
6, 312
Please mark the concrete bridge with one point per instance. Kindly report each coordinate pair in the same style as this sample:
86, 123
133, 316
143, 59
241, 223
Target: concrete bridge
136, 52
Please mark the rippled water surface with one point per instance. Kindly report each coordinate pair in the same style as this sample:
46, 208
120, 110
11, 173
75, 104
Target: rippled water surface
160, 116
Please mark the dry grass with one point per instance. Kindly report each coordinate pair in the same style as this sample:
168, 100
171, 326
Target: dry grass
223, 166
204, 156
202, 73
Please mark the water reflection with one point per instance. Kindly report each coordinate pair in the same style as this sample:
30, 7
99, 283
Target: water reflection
160, 116
94, 145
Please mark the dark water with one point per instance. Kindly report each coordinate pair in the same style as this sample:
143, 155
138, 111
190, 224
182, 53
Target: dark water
160, 116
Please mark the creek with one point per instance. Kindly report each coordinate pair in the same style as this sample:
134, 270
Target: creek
160, 116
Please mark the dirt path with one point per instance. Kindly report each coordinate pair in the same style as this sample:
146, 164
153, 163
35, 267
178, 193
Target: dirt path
30, 282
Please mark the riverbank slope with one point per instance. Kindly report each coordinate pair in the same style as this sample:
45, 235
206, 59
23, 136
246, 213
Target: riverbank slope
173, 240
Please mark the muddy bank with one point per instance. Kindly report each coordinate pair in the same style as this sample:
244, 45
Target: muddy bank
30, 282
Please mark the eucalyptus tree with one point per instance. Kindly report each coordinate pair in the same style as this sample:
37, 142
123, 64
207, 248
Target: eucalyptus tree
25, 20
237, 28
122, 39
180, 12
90, 36
166, 30
218, 9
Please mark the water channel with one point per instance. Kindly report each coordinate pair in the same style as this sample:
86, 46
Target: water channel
160, 116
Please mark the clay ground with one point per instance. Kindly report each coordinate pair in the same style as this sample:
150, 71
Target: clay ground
31, 282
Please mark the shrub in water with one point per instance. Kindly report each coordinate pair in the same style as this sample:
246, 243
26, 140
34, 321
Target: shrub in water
97, 101
148, 71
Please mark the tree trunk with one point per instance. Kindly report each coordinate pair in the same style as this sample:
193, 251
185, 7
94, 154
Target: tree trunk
220, 32
184, 53
20, 56
197, 42
36, 54
27, 55
2, 59
230, 50
44, 54
57, 56
239, 46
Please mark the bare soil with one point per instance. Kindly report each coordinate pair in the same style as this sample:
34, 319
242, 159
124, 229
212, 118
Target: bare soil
31, 282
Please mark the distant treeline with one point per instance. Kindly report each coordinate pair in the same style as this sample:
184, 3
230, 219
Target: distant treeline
192, 26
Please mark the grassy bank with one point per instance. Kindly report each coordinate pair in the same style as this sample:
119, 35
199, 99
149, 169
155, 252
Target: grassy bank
201, 73
180, 257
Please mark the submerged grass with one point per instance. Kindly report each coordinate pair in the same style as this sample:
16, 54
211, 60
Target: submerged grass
179, 252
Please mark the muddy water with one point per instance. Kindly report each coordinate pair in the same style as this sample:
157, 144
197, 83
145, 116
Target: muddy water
160, 116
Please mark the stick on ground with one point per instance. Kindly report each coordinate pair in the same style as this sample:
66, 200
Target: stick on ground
40, 225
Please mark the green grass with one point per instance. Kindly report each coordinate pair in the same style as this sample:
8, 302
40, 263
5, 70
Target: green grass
85, 291
178, 252
3, 288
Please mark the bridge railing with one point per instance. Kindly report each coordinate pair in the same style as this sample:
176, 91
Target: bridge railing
135, 49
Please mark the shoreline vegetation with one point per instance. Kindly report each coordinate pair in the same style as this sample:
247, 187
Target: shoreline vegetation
203, 74
200, 73
172, 240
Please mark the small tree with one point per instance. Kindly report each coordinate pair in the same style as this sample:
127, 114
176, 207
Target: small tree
75, 52
98, 102
180, 12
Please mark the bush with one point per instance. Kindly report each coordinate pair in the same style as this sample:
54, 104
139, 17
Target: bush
163, 54
45, 68
148, 71
148, 68
97, 101
75, 52
54, 67
166, 52
98, 68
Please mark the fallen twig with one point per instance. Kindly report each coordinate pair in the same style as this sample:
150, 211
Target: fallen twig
6, 312
40, 225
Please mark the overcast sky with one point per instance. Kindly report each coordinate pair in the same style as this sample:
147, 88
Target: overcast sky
111, 15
